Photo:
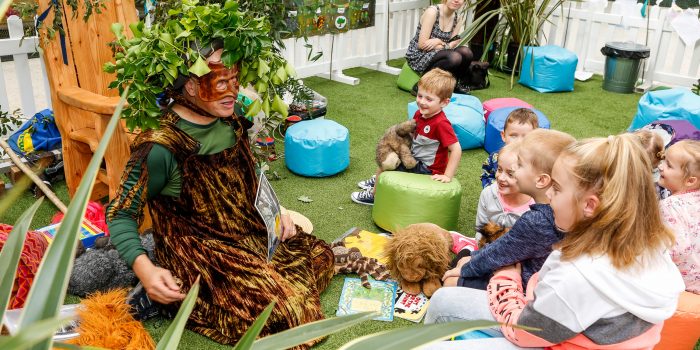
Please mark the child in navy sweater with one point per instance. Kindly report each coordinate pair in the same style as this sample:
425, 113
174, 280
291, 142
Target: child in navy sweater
530, 240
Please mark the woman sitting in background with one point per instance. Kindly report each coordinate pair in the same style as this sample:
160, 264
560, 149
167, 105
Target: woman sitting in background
433, 47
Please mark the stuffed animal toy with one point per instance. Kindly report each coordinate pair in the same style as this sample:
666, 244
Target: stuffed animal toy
352, 261
394, 147
490, 232
101, 268
418, 257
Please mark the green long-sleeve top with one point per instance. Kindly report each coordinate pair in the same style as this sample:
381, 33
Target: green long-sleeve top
163, 179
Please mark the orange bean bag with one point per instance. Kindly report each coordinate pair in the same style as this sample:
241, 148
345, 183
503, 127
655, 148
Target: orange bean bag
682, 330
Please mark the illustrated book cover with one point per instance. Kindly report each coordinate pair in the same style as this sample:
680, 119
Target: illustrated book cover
269, 209
380, 298
410, 307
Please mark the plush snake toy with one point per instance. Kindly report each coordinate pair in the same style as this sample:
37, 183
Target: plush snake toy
352, 261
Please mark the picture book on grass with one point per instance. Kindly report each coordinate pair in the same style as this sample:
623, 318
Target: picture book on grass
410, 307
380, 298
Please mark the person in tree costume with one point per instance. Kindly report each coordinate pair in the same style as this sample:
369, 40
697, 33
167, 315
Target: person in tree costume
197, 174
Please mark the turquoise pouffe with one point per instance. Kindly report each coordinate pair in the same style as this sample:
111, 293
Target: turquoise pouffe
548, 68
317, 148
678, 104
496, 122
466, 114
407, 78
403, 199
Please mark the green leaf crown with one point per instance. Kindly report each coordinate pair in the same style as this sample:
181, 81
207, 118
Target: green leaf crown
154, 57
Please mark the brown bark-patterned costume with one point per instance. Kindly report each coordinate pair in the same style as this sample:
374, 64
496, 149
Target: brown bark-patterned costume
214, 230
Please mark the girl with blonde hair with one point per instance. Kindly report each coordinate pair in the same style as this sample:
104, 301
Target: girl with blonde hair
610, 282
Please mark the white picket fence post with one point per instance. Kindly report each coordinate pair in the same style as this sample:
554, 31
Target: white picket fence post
19, 48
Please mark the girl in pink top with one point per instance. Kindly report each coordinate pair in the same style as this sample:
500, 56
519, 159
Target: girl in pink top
680, 174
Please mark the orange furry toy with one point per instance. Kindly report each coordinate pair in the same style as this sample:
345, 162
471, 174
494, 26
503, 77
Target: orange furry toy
418, 256
105, 322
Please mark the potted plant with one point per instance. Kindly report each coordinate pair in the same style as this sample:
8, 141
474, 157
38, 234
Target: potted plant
519, 25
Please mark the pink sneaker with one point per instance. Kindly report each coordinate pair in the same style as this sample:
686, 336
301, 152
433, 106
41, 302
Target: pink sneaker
460, 242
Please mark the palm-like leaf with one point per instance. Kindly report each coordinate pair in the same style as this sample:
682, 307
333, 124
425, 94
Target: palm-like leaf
11, 253
171, 337
49, 289
413, 337
309, 331
248, 338
33, 334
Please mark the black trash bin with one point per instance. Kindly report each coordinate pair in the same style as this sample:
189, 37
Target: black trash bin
622, 63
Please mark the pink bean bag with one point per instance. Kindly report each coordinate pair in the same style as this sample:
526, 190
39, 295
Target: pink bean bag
502, 102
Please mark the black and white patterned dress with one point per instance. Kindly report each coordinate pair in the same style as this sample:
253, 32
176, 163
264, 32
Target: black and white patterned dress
419, 59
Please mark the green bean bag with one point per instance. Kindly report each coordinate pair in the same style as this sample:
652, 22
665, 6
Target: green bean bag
404, 198
407, 78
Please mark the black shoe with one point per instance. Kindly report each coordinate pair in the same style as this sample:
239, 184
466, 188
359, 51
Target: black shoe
142, 308
414, 90
461, 88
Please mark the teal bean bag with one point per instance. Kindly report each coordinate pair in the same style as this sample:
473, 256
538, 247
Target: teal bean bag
317, 148
403, 199
407, 78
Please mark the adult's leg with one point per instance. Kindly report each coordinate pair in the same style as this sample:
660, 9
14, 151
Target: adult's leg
467, 57
448, 60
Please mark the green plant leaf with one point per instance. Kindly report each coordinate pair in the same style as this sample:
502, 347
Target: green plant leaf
253, 331
171, 337
117, 30
32, 334
413, 337
200, 67
310, 331
11, 253
49, 289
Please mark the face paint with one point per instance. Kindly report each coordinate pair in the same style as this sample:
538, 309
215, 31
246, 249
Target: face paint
219, 83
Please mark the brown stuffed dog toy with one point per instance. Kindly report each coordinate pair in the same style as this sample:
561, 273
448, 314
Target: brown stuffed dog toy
490, 232
418, 256
394, 147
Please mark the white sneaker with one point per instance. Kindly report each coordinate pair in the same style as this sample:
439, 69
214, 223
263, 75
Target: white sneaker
367, 184
365, 197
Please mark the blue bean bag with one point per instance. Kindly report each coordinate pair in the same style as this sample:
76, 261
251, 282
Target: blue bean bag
679, 104
317, 148
497, 120
466, 114
548, 68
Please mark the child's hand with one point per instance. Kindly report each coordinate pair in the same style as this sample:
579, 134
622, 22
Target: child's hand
451, 277
441, 178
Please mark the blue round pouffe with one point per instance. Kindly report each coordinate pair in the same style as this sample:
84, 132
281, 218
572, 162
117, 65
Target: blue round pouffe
497, 120
679, 104
466, 114
317, 148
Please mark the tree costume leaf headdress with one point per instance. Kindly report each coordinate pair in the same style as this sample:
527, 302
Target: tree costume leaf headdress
154, 59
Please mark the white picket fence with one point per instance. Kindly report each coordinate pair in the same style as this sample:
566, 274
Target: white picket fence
581, 28
23, 81
584, 29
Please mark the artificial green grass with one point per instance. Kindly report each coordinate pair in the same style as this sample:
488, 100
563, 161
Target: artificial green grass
367, 110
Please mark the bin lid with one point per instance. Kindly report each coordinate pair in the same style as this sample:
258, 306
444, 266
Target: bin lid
626, 49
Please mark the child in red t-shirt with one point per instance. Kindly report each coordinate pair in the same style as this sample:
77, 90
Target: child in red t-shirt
435, 145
